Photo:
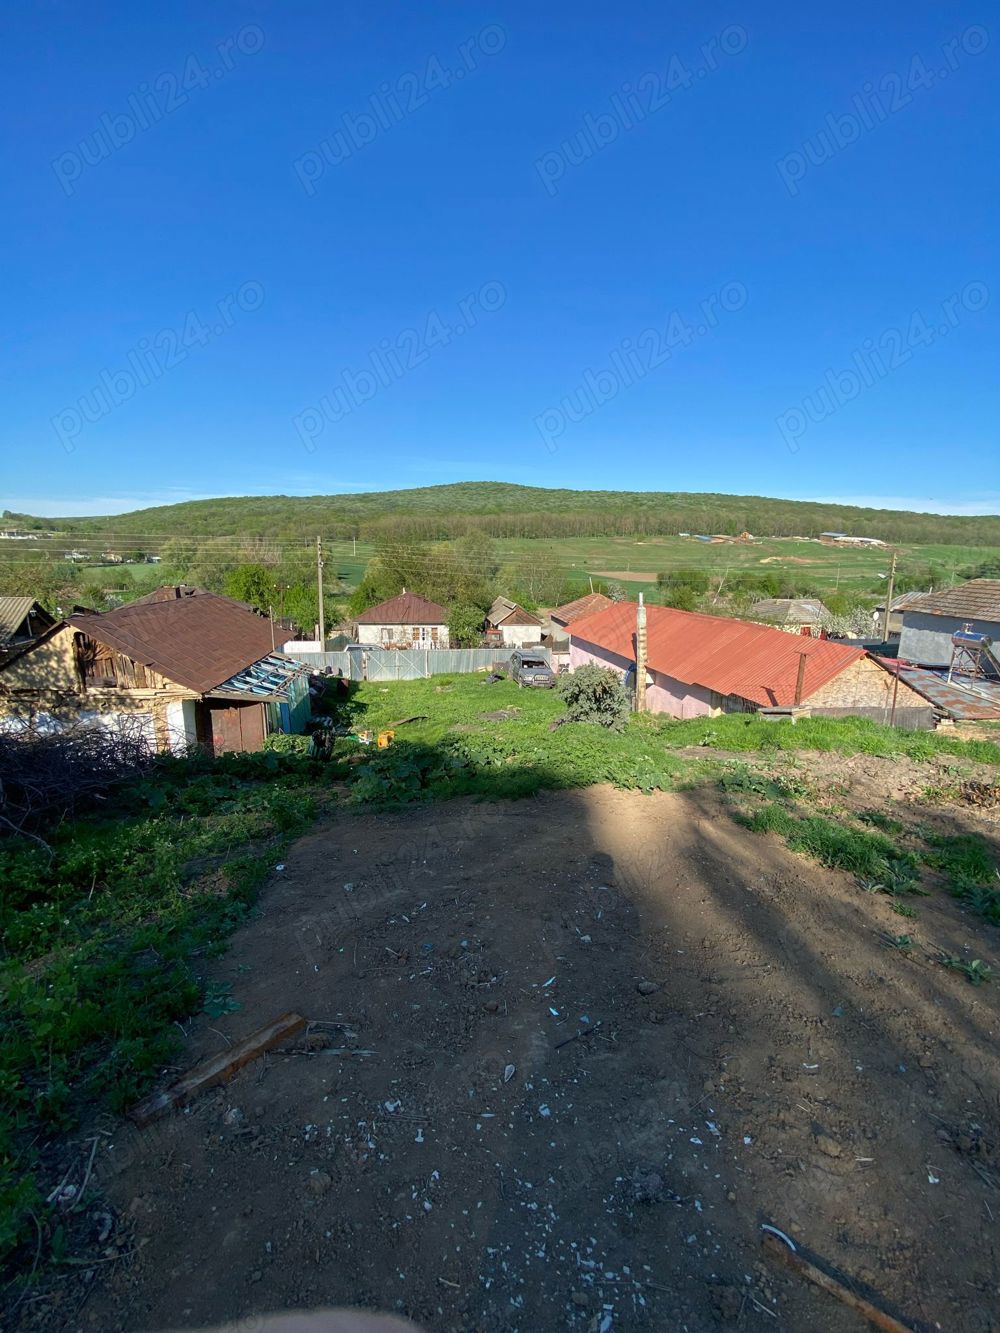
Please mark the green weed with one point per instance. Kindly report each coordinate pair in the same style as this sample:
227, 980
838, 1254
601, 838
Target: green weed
970, 870
879, 863
98, 942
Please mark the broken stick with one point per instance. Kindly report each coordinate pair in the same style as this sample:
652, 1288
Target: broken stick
777, 1250
218, 1069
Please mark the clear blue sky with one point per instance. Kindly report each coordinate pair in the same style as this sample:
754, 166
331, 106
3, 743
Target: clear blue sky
332, 189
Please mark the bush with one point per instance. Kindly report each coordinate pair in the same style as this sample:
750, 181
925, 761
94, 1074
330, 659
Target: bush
680, 598
465, 626
595, 694
281, 743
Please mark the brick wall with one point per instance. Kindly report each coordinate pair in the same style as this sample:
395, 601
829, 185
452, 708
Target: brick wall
864, 684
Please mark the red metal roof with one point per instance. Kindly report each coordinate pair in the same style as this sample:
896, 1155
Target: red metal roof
406, 609
729, 656
198, 642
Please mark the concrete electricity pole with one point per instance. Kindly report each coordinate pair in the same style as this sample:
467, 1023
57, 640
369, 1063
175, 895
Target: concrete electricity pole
640, 657
888, 599
319, 591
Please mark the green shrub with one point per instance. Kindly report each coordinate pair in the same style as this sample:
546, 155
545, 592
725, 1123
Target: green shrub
281, 743
595, 694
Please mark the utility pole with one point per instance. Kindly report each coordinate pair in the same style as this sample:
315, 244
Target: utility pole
319, 591
888, 599
640, 657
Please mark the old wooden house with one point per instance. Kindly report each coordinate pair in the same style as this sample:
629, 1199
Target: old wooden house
185, 672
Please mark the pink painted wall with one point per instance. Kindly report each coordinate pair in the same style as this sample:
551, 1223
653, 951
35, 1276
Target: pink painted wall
665, 695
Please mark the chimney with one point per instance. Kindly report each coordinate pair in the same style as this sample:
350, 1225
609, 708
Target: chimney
800, 679
640, 657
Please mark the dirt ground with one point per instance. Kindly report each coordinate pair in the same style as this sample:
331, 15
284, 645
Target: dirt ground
570, 1054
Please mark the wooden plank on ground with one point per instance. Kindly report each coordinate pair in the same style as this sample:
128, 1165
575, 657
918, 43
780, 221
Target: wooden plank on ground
218, 1068
778, 1250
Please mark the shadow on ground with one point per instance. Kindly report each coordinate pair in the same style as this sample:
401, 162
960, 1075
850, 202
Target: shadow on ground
571, 1052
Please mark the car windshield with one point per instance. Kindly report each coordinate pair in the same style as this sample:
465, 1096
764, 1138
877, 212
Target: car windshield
532, 662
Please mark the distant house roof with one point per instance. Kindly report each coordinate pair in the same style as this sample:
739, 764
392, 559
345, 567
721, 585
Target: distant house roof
754, 662
406, 609
169, 592
583, 606
979, 599
505, 612
22, 618
789, 610
903, 602
198, 642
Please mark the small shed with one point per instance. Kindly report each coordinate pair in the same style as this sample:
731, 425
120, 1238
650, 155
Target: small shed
509, 625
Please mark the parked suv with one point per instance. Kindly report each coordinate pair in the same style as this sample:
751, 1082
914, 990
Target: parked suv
530, 669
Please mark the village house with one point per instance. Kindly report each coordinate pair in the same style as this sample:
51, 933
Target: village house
700, 666
21, 620
508, 625
897, 607
406, 621
795, 615
186, 671
930, 621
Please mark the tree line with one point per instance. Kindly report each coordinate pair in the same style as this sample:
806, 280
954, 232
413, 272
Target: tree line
501, 511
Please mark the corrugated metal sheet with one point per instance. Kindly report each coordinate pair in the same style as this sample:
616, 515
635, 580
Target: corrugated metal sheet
268, 679
13, 611
727, 656
376, 663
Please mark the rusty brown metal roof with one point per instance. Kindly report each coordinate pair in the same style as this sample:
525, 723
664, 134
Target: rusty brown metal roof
197, 642
979, 599
406, 609
583, 606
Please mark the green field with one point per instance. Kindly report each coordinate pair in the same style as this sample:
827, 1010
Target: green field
631, 560
601, 537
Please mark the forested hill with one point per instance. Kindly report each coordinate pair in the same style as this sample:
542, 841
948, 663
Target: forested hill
507, 510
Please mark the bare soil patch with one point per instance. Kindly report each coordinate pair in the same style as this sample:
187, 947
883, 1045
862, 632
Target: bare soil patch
751, 1053
635, 575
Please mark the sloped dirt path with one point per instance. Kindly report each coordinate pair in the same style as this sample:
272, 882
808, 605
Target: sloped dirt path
751, 1053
